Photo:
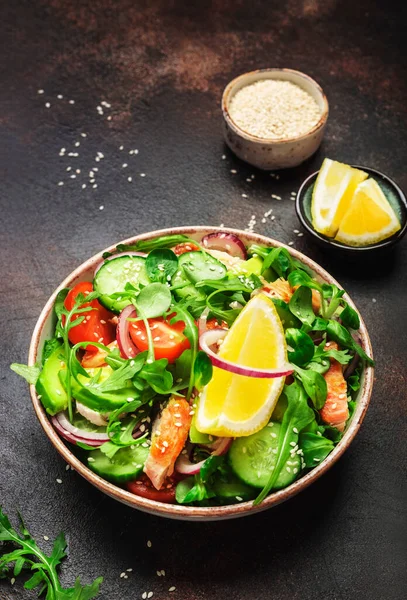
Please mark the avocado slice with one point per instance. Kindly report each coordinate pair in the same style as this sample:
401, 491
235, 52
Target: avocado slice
49, 386
100, 401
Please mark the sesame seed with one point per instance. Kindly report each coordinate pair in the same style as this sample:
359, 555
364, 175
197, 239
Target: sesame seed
59, 480
178, 424
94, 186
295, 430
47, 105
233, 171
374, 300
60, 183
84, 135
121, 147
296, 231
83, 185
245, 196
239, 498
40, 91
91, 459
144, 595
300, 234
71, 101
142, 174
101, 207
149, 544
77, 144
124, 165
46, 538
291, 243
12, 580
172, 588
66, 467
150, 594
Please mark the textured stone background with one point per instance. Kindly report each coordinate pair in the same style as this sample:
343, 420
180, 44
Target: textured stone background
162, 66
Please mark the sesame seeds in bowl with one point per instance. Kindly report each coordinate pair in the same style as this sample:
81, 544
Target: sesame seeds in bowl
274, 118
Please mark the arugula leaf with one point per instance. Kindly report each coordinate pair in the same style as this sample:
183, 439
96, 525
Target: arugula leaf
199, 487
161, 264
121, 376
79, 592
217, 309
340, 334
122, 437
334, 294
202, 370
154, 300
29, 555
314, 384
300, 346
315, 448
322, 354
180, 313
350, 317
59, 302
157, 376
49, 347
66, 321
30, 374
164, 241
279, 260
301, 305
297, 416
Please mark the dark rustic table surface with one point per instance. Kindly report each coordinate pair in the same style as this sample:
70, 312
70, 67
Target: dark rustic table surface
156, 70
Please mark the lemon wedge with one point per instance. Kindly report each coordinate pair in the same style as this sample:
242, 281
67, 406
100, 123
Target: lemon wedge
369, 219
237, 405
332, 194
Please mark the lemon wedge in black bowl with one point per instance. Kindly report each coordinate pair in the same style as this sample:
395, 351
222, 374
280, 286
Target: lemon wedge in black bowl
390, 189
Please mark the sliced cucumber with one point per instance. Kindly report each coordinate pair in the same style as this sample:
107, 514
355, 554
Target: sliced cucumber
233, 490
125, 465
113, 276
198, 266
253, 458
49, 386
186, 289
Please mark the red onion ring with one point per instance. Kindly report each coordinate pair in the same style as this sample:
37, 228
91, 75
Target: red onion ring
184, 466
73, 434
130, 253
211, 337
126, 346
226, 242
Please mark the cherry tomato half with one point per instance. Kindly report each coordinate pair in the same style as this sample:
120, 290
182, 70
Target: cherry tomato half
169, 340
95, 326
143, 487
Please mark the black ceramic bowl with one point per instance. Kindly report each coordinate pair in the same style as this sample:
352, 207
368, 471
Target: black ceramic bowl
391, 190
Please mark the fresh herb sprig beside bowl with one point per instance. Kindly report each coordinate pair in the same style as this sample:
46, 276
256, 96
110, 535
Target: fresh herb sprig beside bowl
26, 556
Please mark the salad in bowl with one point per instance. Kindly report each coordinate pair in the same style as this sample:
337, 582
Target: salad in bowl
200, 373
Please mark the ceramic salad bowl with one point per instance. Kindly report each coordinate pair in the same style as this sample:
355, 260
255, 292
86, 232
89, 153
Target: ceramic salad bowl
44, 330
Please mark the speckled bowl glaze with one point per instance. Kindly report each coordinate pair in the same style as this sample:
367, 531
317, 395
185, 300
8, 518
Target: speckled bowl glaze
269, 153
45, 327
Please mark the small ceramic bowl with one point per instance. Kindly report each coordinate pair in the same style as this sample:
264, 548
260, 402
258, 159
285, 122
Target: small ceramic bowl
44, 329
390, 189
271, 153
